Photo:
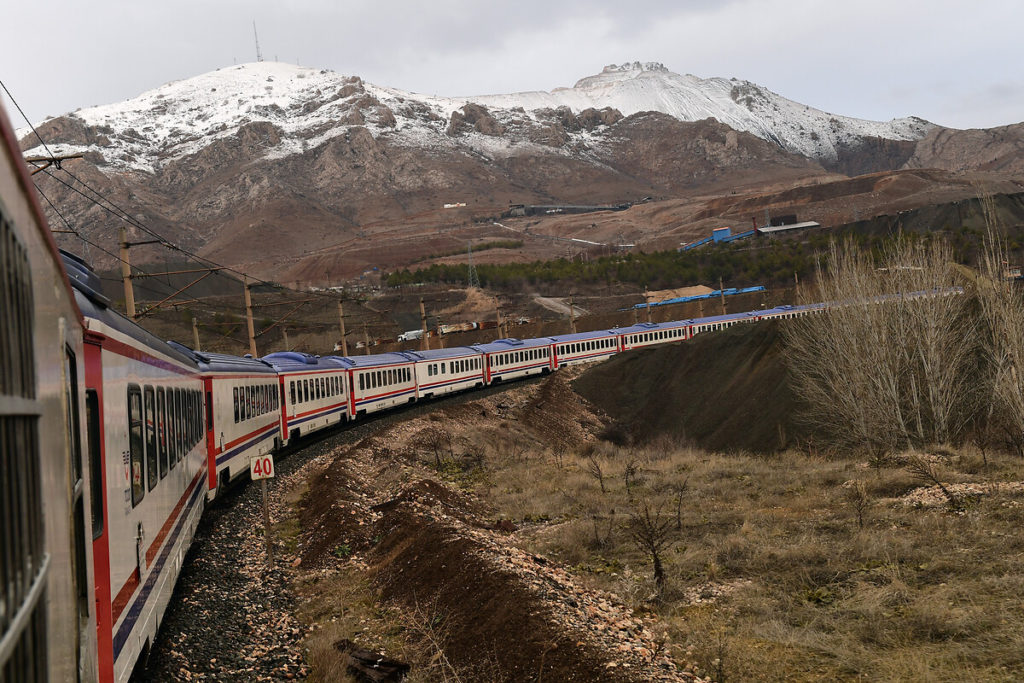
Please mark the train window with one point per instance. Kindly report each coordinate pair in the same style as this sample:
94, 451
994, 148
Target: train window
174, 426
305, 390
179, 406
149, 400
442, 368
209, 411
166, 402
361, 387
135, 444
92, 433
235, 395
291, 391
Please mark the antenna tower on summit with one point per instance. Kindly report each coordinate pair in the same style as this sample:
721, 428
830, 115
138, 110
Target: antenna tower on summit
259, 55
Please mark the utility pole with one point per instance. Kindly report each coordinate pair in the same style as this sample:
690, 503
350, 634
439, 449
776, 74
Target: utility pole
195, 335
721, 292
341, 323
248, 317
126, 276
366, 339
572, 314
425, 343
647, 300
287, 344
497, 316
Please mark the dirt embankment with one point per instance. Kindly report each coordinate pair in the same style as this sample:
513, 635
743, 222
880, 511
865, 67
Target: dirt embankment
481, 607
721, 391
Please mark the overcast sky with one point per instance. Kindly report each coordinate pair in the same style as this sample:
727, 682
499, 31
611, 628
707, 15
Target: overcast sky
958, 64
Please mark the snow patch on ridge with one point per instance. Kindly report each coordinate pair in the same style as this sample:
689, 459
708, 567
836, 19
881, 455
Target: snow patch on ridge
311, 106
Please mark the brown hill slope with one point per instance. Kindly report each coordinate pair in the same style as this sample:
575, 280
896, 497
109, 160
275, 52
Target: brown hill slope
721, 391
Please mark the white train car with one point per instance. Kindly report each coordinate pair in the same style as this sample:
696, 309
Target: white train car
507, 359
314, 392
48, 485
144, 404
584, 347
378, 381
720, 322
243, 413
442, 371
643, 335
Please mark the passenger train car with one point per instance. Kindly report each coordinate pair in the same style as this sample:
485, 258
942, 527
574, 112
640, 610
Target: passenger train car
125, 437
313, 390
243, 408
50, 489
144, 408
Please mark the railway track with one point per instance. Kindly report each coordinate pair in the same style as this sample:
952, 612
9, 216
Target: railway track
230, 617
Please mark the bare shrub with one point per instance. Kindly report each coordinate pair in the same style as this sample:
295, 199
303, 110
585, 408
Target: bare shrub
437, 440
925, 470
856, 494
652, 533
594, 470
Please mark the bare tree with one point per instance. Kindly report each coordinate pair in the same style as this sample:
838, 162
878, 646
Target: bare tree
652, 533
891, 363
1002, 307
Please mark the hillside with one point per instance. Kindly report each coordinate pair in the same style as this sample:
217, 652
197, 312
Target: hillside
723, 391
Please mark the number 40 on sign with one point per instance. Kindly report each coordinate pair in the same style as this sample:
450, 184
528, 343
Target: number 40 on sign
261, 467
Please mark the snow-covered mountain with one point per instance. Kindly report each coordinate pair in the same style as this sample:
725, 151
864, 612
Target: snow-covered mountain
310, 106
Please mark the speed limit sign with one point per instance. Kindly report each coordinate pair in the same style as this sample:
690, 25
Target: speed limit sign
261, 467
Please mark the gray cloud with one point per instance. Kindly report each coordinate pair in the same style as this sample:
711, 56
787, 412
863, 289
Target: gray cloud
867, 58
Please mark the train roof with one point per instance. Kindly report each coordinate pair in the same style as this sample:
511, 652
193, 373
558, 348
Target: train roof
583, 336
94, 305
510, 344
746, 315
223, 362
372, 360
640, 328
438, 354
295, 361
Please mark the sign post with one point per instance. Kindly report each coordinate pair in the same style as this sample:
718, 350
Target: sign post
262, 467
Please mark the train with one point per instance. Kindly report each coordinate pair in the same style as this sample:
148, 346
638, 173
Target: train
114, 441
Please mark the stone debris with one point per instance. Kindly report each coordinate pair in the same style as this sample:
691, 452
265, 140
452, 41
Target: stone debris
932, 496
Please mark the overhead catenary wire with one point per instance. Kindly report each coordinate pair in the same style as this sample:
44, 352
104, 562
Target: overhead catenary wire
98, 198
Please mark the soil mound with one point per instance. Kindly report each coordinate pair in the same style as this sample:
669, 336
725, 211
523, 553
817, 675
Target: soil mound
433, 551
721, 391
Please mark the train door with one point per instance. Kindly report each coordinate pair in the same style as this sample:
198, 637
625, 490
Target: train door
98, 488
210, 431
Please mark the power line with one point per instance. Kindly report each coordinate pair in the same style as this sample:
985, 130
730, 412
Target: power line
18, 106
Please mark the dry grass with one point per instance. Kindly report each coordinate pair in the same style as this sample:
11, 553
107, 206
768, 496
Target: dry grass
790, 567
